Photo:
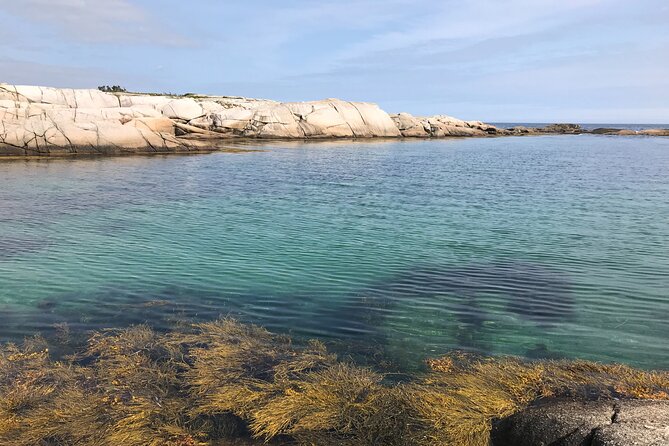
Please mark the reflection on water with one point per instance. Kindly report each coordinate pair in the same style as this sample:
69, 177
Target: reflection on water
390, 251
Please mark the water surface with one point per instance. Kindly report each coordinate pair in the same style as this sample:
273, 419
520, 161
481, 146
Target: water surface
554, 246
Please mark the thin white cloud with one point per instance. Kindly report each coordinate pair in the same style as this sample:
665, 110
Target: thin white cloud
470, 22
94, 21
23, 72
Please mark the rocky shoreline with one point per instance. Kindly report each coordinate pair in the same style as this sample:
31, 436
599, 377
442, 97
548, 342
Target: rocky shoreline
45, 121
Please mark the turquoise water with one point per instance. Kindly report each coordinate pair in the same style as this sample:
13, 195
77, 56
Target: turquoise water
553, 246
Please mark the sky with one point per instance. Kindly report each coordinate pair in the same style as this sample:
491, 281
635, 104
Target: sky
589, 61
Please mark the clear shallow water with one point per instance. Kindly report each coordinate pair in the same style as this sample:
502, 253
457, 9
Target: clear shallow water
537, 246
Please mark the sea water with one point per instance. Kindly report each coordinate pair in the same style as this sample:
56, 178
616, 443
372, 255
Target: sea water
551, 246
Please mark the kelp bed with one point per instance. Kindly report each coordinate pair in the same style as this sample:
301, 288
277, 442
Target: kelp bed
226, 383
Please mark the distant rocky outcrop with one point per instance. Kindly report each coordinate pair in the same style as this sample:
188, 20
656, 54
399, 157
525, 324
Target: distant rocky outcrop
51, 121
441, 126
627, 132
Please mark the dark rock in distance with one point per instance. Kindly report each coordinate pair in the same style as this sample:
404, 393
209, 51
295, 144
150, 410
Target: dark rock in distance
605, 131
562, 128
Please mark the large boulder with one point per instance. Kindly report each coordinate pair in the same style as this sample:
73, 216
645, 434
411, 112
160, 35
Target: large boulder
273, 121
410, 126
563, 422
643, 423
374, 121
331, 118
323, 119
185, 109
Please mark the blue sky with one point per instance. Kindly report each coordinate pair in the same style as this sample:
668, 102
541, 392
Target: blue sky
494, 60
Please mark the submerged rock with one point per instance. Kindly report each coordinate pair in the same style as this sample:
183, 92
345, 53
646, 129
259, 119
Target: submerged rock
11, 247
531, 291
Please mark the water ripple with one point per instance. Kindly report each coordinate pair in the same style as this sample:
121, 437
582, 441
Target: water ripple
544, 247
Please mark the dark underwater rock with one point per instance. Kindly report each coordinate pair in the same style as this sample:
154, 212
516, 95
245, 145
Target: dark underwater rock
11, 247
562, 422
46, 304
541, 351
531, 291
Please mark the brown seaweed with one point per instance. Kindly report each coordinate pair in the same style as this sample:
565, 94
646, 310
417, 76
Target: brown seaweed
228, 383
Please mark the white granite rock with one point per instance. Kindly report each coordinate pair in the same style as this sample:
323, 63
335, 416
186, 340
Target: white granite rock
185, 109
43, 120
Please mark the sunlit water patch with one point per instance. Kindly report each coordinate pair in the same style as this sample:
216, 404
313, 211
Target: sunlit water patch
541, 247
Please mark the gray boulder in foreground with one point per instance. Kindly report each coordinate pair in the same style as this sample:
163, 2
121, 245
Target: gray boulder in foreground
586, 423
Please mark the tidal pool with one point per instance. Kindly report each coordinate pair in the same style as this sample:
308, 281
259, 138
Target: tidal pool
552, 246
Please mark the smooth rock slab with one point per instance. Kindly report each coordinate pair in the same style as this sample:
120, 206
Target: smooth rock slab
643, 423
586, 423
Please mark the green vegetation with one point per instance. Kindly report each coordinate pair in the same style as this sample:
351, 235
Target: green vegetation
119, 89
112, 89
225, 383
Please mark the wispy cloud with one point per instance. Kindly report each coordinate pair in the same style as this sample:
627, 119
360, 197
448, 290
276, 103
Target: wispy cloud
488, 59
63, 76
91, 21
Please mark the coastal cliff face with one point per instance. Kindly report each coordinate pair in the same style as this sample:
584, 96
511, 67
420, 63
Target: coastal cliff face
52, 121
